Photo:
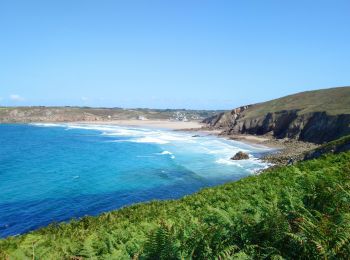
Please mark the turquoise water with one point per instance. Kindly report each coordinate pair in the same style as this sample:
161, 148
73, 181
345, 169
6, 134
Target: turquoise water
55, 172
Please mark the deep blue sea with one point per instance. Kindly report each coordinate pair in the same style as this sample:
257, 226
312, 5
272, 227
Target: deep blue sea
55, 172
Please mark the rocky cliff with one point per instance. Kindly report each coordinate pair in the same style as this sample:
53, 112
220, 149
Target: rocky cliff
314, 116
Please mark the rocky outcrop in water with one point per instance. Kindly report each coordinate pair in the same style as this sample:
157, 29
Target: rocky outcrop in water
240, 156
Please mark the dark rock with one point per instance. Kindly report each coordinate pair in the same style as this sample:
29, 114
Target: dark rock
240, 156
315, 127
196, 136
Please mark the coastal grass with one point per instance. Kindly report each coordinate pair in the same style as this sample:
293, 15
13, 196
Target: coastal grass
339, 145
69, 114
292, 212
333, 101
335, 145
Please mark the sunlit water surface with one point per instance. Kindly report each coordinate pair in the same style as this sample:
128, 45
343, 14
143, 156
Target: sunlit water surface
54, 172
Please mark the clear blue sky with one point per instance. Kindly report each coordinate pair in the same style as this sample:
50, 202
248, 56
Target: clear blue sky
170, 54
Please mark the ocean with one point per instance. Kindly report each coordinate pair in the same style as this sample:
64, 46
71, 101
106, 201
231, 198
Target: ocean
56, 172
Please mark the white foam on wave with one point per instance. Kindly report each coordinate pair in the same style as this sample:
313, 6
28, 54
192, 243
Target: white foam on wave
149, 139
138, 135
117, 141
160, 137
47, 124
165, 152
101, 128
172, 156
222, 150
228, 162
219, 150
119, 131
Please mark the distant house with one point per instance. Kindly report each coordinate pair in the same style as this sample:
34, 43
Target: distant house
142, 118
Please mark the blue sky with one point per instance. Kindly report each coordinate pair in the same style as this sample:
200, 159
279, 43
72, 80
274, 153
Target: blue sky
170, 54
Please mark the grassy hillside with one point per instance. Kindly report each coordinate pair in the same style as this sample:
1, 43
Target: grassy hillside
334, 101
340, 145
294, 212
67, 114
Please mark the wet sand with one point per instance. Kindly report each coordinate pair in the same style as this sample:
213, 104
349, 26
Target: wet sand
166, 124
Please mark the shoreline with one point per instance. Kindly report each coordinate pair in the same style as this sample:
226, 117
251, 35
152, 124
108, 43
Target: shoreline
283, 150
181, 126
164, 124
188, 126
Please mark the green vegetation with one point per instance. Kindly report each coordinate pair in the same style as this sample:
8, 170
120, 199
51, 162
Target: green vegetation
333, 101
340, 145
294, 212
68, 114
336, 144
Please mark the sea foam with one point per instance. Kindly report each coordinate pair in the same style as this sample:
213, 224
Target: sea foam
220, 150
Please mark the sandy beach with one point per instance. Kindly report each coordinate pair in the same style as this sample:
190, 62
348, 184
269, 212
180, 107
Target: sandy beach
287, 148
166, 124
194, 126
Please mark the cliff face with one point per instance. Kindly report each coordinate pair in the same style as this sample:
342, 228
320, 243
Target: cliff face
304, 123
316, 127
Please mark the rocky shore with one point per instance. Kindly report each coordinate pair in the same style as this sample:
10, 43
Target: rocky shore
286, 149
289, 151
